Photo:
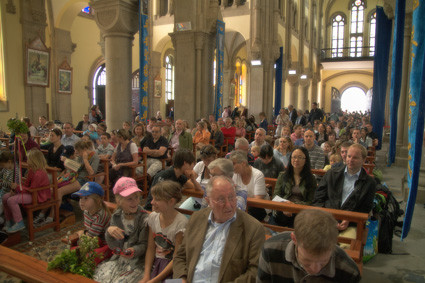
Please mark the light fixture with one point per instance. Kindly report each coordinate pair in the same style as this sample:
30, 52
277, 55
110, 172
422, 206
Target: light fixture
303, 77
255, 62
292, 72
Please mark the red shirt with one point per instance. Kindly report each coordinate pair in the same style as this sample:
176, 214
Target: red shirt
230, 134
37, 179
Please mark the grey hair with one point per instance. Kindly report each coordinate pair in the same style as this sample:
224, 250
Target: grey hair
214, 179
228, 119
262, 130
225, 166
239, 156
241, 141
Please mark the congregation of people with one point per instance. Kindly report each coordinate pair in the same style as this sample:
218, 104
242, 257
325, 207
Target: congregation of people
228, 160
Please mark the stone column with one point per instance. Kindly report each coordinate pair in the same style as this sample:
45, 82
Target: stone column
303, 95
255, 99
118, 22
293, 90
402, 137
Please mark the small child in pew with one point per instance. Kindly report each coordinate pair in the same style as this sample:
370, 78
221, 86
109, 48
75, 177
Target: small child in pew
166, 229
96, 216
37, 177
127, 236
255, 151
6, 176
334, 158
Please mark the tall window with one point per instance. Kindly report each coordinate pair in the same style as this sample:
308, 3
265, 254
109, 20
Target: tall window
356, 36
372, 34
169, 78
99, 80
337, 36
2, 80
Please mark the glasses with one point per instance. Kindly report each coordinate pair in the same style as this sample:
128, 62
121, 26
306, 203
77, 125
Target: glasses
126, 252
298, 158
222, 201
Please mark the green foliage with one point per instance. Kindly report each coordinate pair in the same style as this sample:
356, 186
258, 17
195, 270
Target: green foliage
17, 126
80, 260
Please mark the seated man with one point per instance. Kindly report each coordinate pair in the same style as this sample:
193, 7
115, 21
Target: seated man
317, 158
270, 166
343, 149
260, 138
221, 243
302, 255
180, 139
69, 138
347, 187
243, 144
156, 149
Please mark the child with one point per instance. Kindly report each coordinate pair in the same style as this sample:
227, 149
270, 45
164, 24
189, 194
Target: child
6, 176
37, 177
96, 216
92, 132
105, 149
255, 151
166, 228
127, 236
334, 158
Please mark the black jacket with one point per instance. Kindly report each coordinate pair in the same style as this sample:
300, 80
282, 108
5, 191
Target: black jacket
329, 192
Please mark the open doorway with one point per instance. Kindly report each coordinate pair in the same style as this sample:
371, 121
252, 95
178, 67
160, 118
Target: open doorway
354, 99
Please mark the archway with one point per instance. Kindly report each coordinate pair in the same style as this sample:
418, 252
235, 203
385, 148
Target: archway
99, 88
354, 99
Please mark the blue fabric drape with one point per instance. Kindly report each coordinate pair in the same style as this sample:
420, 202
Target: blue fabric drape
219, 69
396, 75
143, 69
278, 83
380, 72
416, 110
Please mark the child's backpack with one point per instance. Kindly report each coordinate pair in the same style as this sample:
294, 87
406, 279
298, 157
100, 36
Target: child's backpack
388, 209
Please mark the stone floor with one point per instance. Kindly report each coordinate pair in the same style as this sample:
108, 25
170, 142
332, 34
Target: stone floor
407, 262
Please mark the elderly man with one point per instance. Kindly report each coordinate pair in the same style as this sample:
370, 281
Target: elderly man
69, 138
243, 144
317, 157
180, 139
221, 243
301, 256
260, 138
347, 187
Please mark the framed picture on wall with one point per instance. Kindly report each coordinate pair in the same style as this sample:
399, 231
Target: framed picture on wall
158, 87
37, 71
65, 78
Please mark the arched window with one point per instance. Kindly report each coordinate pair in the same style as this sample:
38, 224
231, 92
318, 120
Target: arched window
2, 79
354, 99
99, 87
372, 34
338, 24
169, 78
240, 86
356, 33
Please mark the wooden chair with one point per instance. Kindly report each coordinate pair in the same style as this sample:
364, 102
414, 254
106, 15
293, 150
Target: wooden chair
224, 149
52, 203
141, 177
370, 159
105, 175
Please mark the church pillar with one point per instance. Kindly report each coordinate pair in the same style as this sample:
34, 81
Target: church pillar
33, 19
303, 94
402, 137
154, 103
293, 90
118, 21
255, 99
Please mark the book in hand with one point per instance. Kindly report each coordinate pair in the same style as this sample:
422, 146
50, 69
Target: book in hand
72, 164
279, 199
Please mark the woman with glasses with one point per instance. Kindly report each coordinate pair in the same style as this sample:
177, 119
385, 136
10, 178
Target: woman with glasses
283, 150
296, 185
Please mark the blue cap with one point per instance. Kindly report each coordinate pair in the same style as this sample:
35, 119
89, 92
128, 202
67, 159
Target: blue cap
88, 189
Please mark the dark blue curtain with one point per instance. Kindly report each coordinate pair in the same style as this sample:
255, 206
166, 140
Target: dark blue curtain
278, 83
396, 75
380, 72
416, 110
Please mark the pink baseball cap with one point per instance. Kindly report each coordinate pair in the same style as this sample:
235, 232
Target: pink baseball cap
125, 186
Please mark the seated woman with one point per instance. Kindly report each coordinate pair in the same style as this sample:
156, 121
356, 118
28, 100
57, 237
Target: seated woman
296, 184
127, 236
267, 163
216, 135
249, 179
240, 128
126, 154
283, 150
229, 133
202, 136
208, 154
140, 135
54, 149
321, 135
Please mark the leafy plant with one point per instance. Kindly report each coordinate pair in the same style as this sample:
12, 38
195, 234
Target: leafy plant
79, 261
17, 126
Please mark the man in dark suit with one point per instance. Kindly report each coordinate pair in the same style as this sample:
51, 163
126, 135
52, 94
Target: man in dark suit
221, 243
292, 114
315, 114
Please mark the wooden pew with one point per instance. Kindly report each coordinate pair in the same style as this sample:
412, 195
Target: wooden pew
33, 270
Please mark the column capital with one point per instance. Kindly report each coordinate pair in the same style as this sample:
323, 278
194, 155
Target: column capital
116, 17
293, 80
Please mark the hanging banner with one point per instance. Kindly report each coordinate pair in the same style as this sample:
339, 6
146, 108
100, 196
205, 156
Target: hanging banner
278, 83
416, 110
219, 70
396, 75
143, 69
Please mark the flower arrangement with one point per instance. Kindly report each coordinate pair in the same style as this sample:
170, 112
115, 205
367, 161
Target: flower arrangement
79, 261
17, 126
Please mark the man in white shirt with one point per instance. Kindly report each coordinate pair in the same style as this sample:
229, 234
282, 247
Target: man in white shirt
69, 138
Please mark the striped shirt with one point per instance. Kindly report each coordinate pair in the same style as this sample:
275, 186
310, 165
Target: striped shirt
97, 223
317, 157
278, 263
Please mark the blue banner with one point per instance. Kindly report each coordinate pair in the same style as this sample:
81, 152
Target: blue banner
396, 75
219, 69
143, 70
380, 72
416, 109
278, 83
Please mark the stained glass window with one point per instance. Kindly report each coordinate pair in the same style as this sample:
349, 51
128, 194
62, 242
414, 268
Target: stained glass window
169, 78
86, 10
337, 36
